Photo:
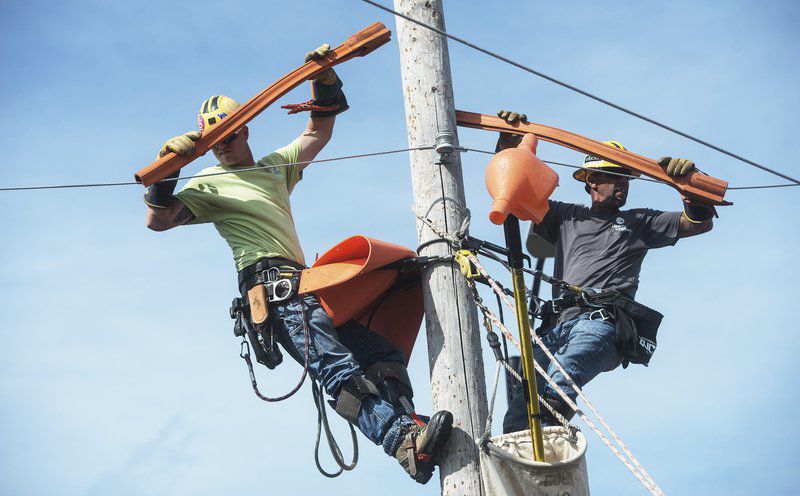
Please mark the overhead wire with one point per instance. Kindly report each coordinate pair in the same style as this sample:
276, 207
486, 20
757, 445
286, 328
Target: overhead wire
348, 157
640, 178
583, 92
237, 171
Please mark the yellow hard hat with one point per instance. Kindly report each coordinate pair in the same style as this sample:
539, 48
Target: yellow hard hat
214, 110
591, 163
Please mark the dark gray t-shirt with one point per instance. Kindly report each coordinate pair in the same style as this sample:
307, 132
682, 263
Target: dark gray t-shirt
604, 251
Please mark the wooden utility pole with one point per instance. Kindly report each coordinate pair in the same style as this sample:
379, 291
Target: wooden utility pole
454, 337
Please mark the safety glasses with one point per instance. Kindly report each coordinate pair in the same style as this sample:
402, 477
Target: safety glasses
229, 139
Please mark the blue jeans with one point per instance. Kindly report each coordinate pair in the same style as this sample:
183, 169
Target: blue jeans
583, 347
334, 358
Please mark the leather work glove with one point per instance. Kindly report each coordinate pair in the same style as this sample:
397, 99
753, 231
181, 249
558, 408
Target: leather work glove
508, 140
328, 77
676, 167
511, 117
182, 145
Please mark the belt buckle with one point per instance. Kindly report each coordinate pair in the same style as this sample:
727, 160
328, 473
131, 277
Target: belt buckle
601, 314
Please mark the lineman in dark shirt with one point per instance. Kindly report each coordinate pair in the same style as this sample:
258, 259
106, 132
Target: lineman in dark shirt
599, 247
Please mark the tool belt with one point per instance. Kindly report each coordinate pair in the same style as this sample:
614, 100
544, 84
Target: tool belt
262, 284
636, 325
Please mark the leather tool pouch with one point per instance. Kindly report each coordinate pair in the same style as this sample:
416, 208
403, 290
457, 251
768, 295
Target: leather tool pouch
259, 310
261, 336
636, 329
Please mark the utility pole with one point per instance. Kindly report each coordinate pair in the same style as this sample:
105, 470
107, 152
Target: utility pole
454, 337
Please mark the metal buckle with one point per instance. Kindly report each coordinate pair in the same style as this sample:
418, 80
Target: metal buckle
279, 290
273, 274
602, 314
555, 304
590, 291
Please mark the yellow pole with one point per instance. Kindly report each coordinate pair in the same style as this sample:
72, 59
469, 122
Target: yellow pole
514, 245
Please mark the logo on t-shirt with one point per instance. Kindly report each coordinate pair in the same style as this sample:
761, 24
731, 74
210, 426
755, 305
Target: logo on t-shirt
619, 225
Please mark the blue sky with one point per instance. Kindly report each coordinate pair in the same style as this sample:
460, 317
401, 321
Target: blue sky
119, 372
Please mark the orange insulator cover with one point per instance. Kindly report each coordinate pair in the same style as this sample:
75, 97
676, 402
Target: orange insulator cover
352, 284
357, 45
520, 183
695, 185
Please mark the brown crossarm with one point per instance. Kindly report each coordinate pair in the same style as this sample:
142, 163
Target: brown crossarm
358, 45
696, 185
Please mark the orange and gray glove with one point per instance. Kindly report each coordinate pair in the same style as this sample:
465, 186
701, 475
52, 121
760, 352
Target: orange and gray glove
326, 87
159, 195
508, 140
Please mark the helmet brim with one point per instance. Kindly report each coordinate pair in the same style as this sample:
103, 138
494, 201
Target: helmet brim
582, 173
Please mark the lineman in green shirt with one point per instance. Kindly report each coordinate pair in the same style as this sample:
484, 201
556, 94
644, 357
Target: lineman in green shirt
360, 370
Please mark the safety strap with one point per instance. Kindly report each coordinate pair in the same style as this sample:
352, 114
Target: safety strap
353, 392
322, 424
244, 352
695, 185
379, 372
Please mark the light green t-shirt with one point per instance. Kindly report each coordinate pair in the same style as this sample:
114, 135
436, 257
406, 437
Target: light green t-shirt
251, 209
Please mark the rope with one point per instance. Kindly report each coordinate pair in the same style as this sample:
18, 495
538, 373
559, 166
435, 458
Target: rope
489, 319
634, 466
336, 452
583, 92
237, 171
245, 354
454, 238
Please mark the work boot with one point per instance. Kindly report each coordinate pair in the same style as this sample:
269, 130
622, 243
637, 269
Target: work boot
418, 453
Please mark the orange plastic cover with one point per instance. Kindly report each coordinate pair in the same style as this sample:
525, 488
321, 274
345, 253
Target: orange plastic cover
358, 45
695, 185
351, 284
520, 183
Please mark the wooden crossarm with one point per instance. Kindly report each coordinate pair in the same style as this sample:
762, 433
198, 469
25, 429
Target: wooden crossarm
695, 185
358, 45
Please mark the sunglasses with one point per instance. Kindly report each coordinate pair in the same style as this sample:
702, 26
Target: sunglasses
229, 139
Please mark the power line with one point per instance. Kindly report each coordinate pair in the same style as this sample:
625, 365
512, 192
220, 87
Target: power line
349, 157
583, 92
572, 166
237, 171
767, 186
